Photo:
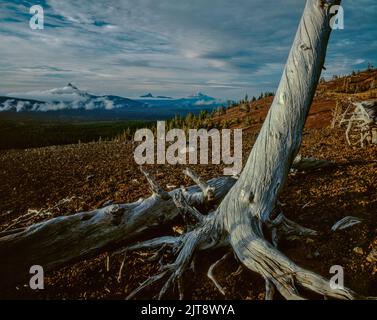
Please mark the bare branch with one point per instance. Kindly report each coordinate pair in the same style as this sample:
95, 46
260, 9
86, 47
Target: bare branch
345, 223
146, 283
290, 229
154, 186
208, 191
183, 206
121, 267
213, 267
305, 164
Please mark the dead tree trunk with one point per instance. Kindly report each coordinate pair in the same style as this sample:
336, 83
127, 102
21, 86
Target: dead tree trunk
63, 240
237, 223
252, 201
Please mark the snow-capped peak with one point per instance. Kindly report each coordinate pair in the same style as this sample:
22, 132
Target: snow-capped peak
72, 86
199, 95
68, 97
67, 94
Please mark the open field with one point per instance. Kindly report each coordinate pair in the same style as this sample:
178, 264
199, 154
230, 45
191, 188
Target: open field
80, 177
91, 174
20, 134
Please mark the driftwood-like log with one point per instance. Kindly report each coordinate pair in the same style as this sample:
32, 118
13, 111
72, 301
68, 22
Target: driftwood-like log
63, 240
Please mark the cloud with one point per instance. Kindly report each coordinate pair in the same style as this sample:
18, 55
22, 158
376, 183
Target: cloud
225, 48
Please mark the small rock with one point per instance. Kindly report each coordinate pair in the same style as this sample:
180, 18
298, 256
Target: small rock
316, 254
372, 257
90, 177
178, 229
358, 250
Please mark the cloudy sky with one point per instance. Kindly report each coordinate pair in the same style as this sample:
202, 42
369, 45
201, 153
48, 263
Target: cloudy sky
172, 47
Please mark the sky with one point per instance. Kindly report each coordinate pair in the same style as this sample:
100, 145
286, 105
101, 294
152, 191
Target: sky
169, 47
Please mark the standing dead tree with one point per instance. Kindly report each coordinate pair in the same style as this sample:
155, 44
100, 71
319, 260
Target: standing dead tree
360, 121
241, 222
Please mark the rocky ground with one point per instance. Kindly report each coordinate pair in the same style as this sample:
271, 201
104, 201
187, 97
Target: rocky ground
68, 179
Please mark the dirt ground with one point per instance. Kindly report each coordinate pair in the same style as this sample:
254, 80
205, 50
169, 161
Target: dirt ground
88, 175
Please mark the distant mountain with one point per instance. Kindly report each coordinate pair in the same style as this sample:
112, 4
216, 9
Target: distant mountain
164, 97
151, 96
67, 98
196, 100
71, 103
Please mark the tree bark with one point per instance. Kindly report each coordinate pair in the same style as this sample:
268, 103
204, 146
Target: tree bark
252, 201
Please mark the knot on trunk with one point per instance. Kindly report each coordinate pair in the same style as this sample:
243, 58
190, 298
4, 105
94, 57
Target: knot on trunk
116, 212
247, 196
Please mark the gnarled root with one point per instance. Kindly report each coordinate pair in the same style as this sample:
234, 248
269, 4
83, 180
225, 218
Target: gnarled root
260, 256
246, 240
283, 227
203, 237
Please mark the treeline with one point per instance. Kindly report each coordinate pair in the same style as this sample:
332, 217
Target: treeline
354, 82
23, 134
207, 120
27, 133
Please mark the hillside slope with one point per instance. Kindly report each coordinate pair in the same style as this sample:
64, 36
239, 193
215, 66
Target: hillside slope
68, 179
358, 86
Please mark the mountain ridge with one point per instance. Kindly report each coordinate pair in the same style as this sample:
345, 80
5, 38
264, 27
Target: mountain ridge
70, 97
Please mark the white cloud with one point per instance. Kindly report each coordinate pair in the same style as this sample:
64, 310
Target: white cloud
169, 47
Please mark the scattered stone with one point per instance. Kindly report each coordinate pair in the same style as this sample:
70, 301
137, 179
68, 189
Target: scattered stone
372, 257
178, 229
358, 250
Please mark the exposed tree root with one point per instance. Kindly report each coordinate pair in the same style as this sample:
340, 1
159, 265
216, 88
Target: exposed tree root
257, 254
250, 205
212, 276
247, 241
346, 223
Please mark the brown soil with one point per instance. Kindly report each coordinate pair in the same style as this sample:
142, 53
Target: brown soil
40, 178
97, 172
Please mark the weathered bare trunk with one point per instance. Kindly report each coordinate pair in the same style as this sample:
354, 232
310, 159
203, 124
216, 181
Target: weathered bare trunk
63, 240
252, 201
